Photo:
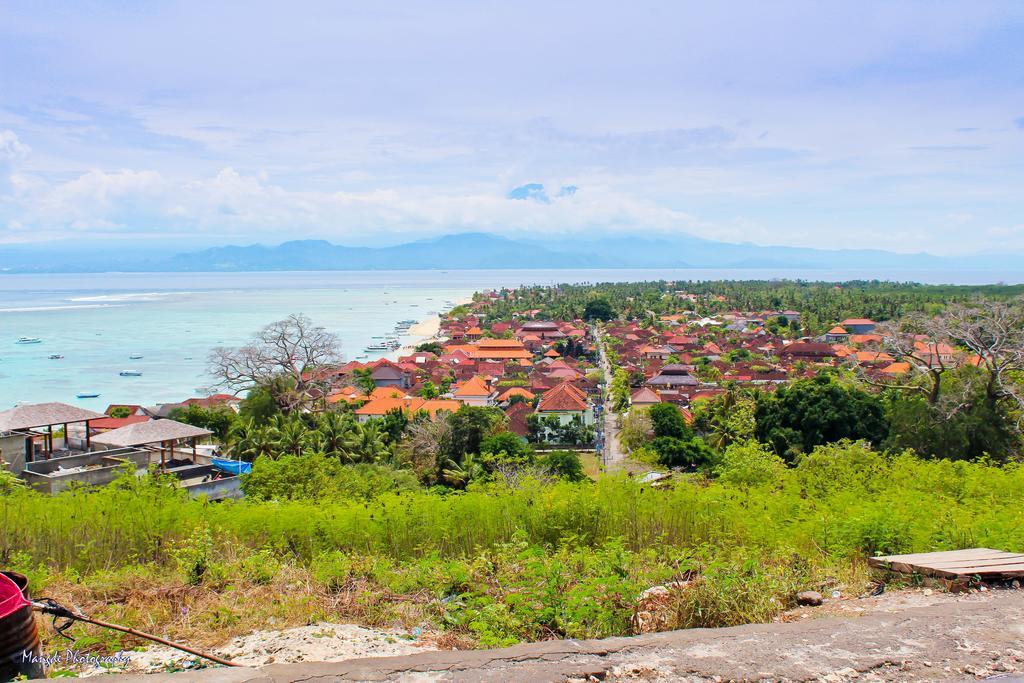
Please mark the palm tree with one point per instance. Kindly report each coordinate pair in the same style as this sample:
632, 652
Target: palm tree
335, 431
366, 443
293, 437
249, 441
460, 474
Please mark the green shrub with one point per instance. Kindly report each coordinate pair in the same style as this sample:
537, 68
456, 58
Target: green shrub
750, 464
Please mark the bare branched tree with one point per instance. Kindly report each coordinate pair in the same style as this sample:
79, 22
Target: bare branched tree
985, 333
283, 357
428, 442
903, 339
993, 331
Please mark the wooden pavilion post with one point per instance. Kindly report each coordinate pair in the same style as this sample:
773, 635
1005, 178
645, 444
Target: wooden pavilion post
193, 450
88, 441
67, 443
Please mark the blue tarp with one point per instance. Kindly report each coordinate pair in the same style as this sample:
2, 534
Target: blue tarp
232, 466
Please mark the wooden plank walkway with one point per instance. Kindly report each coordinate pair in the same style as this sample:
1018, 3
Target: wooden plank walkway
984, 563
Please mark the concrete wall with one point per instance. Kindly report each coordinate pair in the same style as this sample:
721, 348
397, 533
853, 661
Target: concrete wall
566, 417
46, 475
12, 452
218, 489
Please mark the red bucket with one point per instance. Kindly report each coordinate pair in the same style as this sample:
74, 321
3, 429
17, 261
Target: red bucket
12, 598
20, 654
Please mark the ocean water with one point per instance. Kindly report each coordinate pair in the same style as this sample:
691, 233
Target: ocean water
173, 320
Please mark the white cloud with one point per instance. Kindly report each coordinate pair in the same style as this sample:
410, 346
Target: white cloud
233, 203
11, 148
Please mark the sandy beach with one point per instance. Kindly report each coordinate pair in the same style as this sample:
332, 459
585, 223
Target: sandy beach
426, 328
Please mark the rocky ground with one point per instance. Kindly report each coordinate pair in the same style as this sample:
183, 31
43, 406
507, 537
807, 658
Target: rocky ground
322, 642
908, 635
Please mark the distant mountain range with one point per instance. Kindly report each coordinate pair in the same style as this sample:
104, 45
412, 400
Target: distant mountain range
486, 251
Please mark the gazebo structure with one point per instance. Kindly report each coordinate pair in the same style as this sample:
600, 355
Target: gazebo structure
28, 422
155, 435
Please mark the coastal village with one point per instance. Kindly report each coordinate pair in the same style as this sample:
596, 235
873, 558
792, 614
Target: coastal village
589, 412
551, 378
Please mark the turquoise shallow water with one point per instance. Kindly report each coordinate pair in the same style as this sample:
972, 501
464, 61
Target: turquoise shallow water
173, 320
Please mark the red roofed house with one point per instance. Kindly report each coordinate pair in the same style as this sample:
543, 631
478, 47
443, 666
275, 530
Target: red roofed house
106, 424
644, 396
565, 402
473, 392
859, 325
124, 409
807, 351
837, 335
517, 414
388, 374
380, 407
499, 349
507, 395
347, 394
655, 352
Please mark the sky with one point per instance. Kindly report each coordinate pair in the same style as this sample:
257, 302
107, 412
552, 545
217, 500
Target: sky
890, 125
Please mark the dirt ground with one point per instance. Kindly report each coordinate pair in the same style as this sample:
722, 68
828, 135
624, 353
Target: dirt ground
908, 635
324, 642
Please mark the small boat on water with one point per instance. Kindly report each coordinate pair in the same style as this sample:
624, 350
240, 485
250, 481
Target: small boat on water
56, 356
87, 394
29, 340
131, 373
135, 356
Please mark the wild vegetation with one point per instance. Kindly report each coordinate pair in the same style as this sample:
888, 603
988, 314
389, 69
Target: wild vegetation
504, 561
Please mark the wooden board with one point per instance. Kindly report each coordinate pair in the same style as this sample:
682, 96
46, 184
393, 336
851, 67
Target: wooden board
984, 563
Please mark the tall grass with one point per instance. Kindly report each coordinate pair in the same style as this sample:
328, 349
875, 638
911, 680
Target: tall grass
902, 504
494, 565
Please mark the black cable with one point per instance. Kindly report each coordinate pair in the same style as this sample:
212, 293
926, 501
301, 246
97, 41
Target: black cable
59, 612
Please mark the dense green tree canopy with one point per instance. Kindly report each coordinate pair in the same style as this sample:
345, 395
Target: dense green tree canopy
667, 420
598, 309
817, 411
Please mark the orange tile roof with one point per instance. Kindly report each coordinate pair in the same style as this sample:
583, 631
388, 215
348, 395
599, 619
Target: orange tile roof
383, 406
897, 368
644, 395
475, 386
837, 330
499, 344
502, 354
108, 423
516, 391
347, 394
858, 321
564, 397
873, 357
387, 392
